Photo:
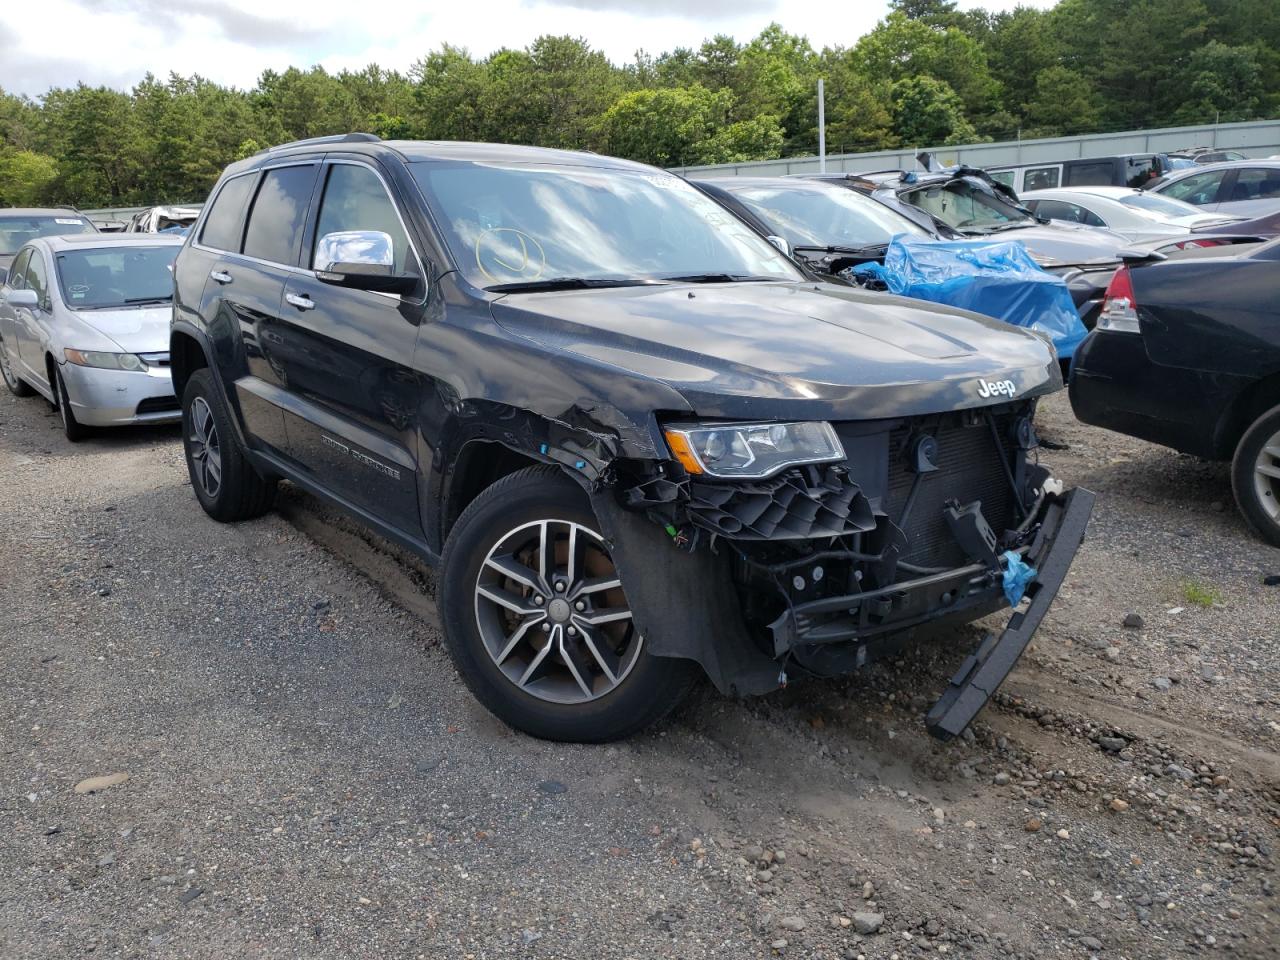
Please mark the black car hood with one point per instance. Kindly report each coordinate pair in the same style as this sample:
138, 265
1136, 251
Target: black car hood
775, 350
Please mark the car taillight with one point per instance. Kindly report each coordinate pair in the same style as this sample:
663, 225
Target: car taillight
1119, 309
1193, 244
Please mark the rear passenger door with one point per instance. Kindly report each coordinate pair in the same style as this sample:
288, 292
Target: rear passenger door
245, 288
354, 394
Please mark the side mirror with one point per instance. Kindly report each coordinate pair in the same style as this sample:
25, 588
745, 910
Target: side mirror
361, 260
22, 298
780, 243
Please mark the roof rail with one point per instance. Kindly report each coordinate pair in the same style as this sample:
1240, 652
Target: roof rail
332, 138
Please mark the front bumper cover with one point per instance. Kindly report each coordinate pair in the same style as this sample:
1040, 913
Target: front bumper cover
983, 671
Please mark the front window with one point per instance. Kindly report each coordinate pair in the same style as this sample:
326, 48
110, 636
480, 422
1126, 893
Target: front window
116, 276
961, 205
516, 223
1198, 189
820, 215
15, 231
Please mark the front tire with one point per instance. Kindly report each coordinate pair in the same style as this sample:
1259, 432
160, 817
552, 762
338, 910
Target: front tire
74, 430
536, 621
225, 482
1255, 476
17, 386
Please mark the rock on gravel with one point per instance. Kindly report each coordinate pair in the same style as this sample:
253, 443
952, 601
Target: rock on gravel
1133, 621
794, 924
866, 922
94, 784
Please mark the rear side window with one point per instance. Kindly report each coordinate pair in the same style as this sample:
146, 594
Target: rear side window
1040, 178
1139, 170
278, 214
1098, 173
223, 223
1256, 184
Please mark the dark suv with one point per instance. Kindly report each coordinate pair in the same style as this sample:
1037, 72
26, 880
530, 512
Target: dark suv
636, 437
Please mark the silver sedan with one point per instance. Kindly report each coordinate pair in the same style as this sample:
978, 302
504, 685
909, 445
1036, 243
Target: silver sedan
84, 322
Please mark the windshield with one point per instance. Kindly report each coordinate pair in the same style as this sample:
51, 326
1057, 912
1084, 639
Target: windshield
1163, 207
824, 216
116, 276
530, 224
15, 231
965, 207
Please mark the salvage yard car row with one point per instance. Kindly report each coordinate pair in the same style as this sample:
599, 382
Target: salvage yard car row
649, 429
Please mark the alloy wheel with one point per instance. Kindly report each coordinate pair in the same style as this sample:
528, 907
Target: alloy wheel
1266, 477
204, 448
552, 614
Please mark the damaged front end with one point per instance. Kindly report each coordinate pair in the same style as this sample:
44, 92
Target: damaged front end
821, 568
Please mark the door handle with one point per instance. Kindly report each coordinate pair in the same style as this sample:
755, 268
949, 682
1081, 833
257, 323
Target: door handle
221, 276
302, 302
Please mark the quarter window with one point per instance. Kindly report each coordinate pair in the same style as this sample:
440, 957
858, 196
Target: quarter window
221, 226
1199, 189
279, 211
37, 276
354, 199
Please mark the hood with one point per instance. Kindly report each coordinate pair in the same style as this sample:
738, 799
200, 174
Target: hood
1065, 245
133, 329
782, 350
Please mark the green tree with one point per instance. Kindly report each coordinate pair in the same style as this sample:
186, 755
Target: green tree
927, 113
449, 94
900, 48
1064, 103
663, 127
25, 177
759, 138
1225, 83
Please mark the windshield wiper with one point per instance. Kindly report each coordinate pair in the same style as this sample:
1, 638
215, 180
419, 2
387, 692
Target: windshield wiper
567, 283
137, 301
718, 278
873, 250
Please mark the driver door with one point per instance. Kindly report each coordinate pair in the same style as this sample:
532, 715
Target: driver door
31, 320
354, 394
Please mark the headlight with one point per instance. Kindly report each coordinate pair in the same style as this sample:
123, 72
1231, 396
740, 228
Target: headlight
109, 361
751, 451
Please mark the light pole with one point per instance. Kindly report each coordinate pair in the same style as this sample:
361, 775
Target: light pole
822, 130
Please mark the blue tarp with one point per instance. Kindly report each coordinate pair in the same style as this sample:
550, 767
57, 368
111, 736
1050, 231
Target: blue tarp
994, 277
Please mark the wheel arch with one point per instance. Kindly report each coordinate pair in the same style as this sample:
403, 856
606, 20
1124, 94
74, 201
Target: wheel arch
187, 354
1252, 402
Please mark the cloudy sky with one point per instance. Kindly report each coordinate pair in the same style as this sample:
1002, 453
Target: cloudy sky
115, 42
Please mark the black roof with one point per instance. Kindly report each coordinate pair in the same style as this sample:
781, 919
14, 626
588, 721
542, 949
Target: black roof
416, 150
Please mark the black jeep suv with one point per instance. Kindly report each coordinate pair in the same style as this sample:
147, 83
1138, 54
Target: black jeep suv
636, 437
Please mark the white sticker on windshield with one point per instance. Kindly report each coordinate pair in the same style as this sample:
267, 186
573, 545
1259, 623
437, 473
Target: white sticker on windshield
67, 220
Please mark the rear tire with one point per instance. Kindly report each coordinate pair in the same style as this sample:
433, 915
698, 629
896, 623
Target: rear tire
75, 430
541, 639
1255, 476
17, 386
225, 482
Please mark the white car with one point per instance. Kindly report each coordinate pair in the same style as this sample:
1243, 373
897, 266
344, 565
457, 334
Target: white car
1136, 214
84, 322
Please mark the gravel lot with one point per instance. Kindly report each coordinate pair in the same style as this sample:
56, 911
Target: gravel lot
307, 778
